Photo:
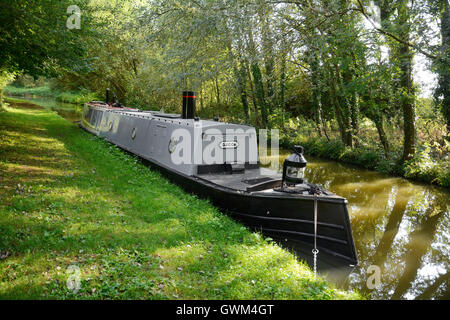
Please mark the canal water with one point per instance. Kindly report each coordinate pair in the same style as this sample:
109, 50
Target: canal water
400, 228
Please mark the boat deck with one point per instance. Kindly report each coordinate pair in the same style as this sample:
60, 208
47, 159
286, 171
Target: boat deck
258, 180
248, 180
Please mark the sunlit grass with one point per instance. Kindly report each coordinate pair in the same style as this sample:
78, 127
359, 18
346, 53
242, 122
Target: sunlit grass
68, 198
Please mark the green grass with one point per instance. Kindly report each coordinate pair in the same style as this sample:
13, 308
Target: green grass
69, 198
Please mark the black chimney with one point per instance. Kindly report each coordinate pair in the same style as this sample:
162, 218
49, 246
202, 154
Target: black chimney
188, 105
107, 96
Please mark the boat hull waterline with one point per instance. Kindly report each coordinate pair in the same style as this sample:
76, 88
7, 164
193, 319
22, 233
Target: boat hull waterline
249, 194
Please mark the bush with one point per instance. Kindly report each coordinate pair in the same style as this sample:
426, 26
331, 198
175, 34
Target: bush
386, 166
422, 167
443, 178
366, 158
78, 97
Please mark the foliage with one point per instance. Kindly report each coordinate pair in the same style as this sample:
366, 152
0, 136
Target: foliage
423, 167
5, 78
35, 39
336, 150
76, 97
429, 164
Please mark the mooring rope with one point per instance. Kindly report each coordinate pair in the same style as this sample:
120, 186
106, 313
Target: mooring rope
315, 251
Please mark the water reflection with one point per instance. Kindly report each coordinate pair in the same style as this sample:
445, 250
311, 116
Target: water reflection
400, 226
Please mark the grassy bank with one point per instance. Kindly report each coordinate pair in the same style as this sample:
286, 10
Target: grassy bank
68, 198
75, 97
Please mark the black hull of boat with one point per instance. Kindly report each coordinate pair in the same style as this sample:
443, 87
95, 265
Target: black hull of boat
281, 216
285, 219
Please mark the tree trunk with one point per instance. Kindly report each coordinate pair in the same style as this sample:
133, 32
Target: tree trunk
252, 89
324, 125
347, 103
268, 55
406, 83
409, 128
269, 66
239, 73
340, 123
1, 99
257, 79
354, 109
382, 134
282, 83
324, 103
259, 90
243, 92
405, 56
314, 65
338, 110
217, 91
201, 98
444, 72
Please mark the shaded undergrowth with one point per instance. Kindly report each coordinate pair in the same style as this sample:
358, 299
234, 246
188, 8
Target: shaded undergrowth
420, 168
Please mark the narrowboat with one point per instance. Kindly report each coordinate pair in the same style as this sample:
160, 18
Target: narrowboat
219, 161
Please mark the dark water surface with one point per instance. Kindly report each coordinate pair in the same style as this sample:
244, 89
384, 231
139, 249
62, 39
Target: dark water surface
400, 228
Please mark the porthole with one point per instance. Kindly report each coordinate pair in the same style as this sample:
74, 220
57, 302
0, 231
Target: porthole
133, 133
172, 145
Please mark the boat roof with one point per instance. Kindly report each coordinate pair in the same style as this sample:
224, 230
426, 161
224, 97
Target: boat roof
163, 115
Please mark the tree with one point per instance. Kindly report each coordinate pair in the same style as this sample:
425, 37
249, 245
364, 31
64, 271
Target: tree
5, 78
35, 39
441, 8
407, 98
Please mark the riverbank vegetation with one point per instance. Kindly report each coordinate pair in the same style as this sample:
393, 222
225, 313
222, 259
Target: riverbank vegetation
26, 86
69, 199
339, 77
